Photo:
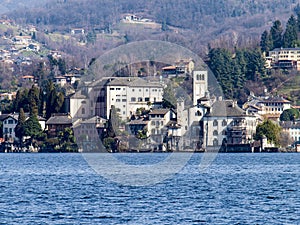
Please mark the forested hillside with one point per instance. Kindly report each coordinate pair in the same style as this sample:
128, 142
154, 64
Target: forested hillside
231, 19
9, 5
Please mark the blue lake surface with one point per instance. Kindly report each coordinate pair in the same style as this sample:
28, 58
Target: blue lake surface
234, 189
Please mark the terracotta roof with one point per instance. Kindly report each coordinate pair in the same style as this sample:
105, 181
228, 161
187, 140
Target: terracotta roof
28, 77
169, 68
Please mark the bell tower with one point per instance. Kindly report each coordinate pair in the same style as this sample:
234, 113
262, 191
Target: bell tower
200, 87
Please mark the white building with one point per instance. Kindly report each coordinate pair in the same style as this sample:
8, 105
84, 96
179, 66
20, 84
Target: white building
292, 128
159, 119
226, 122
11, 121
127, 94
268, 107
288, 58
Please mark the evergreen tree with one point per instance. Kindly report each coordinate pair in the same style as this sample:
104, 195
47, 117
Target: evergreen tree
276, 34
220, 62
54, 100
266, 42
32, 127
34, 99
169, 99
62, 66
21, 101
40, 73
291, 33
255, 64
19, 129
113, 123
289, 115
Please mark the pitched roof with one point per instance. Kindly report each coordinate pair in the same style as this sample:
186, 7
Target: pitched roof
286, 49
290, 124
225, 108
59, 119
277, 99
133, 82
159, 111
96, 120
138, 122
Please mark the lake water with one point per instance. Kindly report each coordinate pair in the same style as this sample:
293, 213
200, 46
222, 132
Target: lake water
234, 189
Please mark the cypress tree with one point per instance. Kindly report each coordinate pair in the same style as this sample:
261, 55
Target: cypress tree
19, 130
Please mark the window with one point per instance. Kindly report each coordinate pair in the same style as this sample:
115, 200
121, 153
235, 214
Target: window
133, 99
147, 99
215, 133
10, 122
124, 100
140, 90
140, 99
224, 123
153, 123
132, 90
215, 123
83, 111
153, 131
118, 89
215, 142
198, 76
118, 100
111, 89
147, 89
198, 113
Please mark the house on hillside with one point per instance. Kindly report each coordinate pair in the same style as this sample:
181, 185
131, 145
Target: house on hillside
267, 107
284, 58
75, 31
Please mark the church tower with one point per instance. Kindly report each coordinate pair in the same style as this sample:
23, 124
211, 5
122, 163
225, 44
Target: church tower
200, 86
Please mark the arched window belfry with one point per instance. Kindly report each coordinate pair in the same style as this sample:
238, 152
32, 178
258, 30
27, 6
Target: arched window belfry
215, 123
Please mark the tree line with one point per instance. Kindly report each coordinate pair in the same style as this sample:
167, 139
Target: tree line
234, 69
277, 37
